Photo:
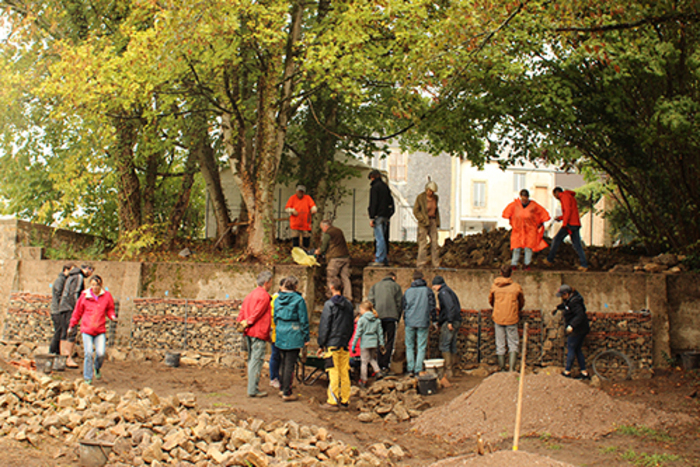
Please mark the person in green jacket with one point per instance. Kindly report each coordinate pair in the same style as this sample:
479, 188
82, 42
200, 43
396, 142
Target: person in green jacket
369, 333
291, 332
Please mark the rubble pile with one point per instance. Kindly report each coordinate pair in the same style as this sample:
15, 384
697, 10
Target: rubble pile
391, 400
147, 429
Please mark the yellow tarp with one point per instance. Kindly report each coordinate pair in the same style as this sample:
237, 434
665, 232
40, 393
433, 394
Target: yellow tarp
300, 257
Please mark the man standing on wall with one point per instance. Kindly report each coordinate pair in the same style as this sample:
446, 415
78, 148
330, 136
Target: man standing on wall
571, 226
526, 219
71, 292
428, 216
334, 334
300, 207
335, 248
386, 297
60, 326
254, 319
381, 208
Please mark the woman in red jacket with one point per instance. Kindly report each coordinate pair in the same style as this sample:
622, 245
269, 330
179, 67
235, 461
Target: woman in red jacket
93, 306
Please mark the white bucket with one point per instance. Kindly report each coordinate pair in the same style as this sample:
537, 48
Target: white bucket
435, 366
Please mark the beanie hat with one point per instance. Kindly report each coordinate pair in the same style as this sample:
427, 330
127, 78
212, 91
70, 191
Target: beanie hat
438, 280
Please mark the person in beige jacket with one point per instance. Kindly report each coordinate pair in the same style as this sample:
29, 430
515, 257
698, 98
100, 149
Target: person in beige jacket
507, 299
428, 216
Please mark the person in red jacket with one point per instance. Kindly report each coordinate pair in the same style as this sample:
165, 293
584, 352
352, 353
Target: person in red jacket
571, 225
254, 319
526, 220
94, 305
300, 207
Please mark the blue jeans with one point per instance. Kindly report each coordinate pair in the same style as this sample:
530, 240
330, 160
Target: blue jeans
380, 237
573, 349
415, 351
90, 344
256, 354
274, 363
516, 256
575, 241
448, 339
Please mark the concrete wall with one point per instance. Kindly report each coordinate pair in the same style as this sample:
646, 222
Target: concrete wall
15, 234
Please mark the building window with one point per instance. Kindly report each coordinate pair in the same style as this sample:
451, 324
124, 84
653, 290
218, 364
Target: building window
519, 182
479, 199
398, 168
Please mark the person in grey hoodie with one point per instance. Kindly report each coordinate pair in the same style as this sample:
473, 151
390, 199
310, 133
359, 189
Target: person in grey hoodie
60, 321
71, 292
418, 308
369, 333
386, 297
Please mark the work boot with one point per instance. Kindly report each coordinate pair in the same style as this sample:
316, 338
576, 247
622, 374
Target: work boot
501, 362
448, 363
67, 350
512, 358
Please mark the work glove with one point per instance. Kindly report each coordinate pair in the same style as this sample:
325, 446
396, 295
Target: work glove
241, 325
569, 329
382, 349
435, 326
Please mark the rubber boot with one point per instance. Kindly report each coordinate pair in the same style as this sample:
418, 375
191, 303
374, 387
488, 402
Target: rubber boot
448, 363
501, 362
512, 358
67, 350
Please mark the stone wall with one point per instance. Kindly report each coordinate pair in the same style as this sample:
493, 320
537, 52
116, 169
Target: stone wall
15, 234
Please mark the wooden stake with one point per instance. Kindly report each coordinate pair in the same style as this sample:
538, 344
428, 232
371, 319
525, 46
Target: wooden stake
519, 409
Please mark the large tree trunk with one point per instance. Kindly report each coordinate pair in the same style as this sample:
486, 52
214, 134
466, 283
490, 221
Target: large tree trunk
129, 187
201, 146
183, 201
150, 185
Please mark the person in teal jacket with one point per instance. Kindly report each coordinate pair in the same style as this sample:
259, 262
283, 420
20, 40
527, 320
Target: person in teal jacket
291, 332
371, 336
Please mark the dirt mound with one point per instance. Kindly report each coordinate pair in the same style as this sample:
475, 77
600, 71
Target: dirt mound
501, 458
552, 404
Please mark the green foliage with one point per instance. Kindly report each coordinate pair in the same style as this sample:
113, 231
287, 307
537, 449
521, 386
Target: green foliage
644, 432
147, 237
648, 460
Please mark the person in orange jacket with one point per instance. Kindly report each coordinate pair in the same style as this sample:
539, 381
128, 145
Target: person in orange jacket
300, 207
527, 220
507, 299
571, 225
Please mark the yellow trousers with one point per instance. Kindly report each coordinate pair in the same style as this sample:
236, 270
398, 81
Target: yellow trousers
338, 376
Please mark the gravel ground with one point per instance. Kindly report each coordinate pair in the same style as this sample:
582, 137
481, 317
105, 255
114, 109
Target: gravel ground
500, 459
552, 405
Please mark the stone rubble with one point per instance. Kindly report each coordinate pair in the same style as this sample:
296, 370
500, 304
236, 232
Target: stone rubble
389, 400
150, 430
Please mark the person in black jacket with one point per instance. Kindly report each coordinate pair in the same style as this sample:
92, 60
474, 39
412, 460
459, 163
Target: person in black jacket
576, 328
381, 208
71, 292
60, 324
334, 334
449, 320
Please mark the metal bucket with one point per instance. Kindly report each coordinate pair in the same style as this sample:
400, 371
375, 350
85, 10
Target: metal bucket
94, 453
172, 359
427, 384
44, 362
59, 363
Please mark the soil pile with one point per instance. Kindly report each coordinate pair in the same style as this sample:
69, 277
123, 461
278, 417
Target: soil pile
501, 458
561, 407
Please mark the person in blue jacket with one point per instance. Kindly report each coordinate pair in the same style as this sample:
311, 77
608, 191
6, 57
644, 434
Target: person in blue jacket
418, 306
371, 336
291, 332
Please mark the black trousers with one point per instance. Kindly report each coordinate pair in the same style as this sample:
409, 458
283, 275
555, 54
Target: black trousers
305, 240
384, 358
60, 330
288, 359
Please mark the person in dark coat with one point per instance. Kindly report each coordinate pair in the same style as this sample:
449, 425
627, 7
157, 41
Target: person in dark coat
449, 320
576, 328
381, 208
74, 286
60, 321
386, 297
334, 333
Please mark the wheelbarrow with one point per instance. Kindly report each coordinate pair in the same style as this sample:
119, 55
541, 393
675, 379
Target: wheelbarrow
310, 369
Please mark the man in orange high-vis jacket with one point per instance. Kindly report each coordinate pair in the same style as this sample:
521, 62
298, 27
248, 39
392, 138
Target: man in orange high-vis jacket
300, 207
526, 220
571, 225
